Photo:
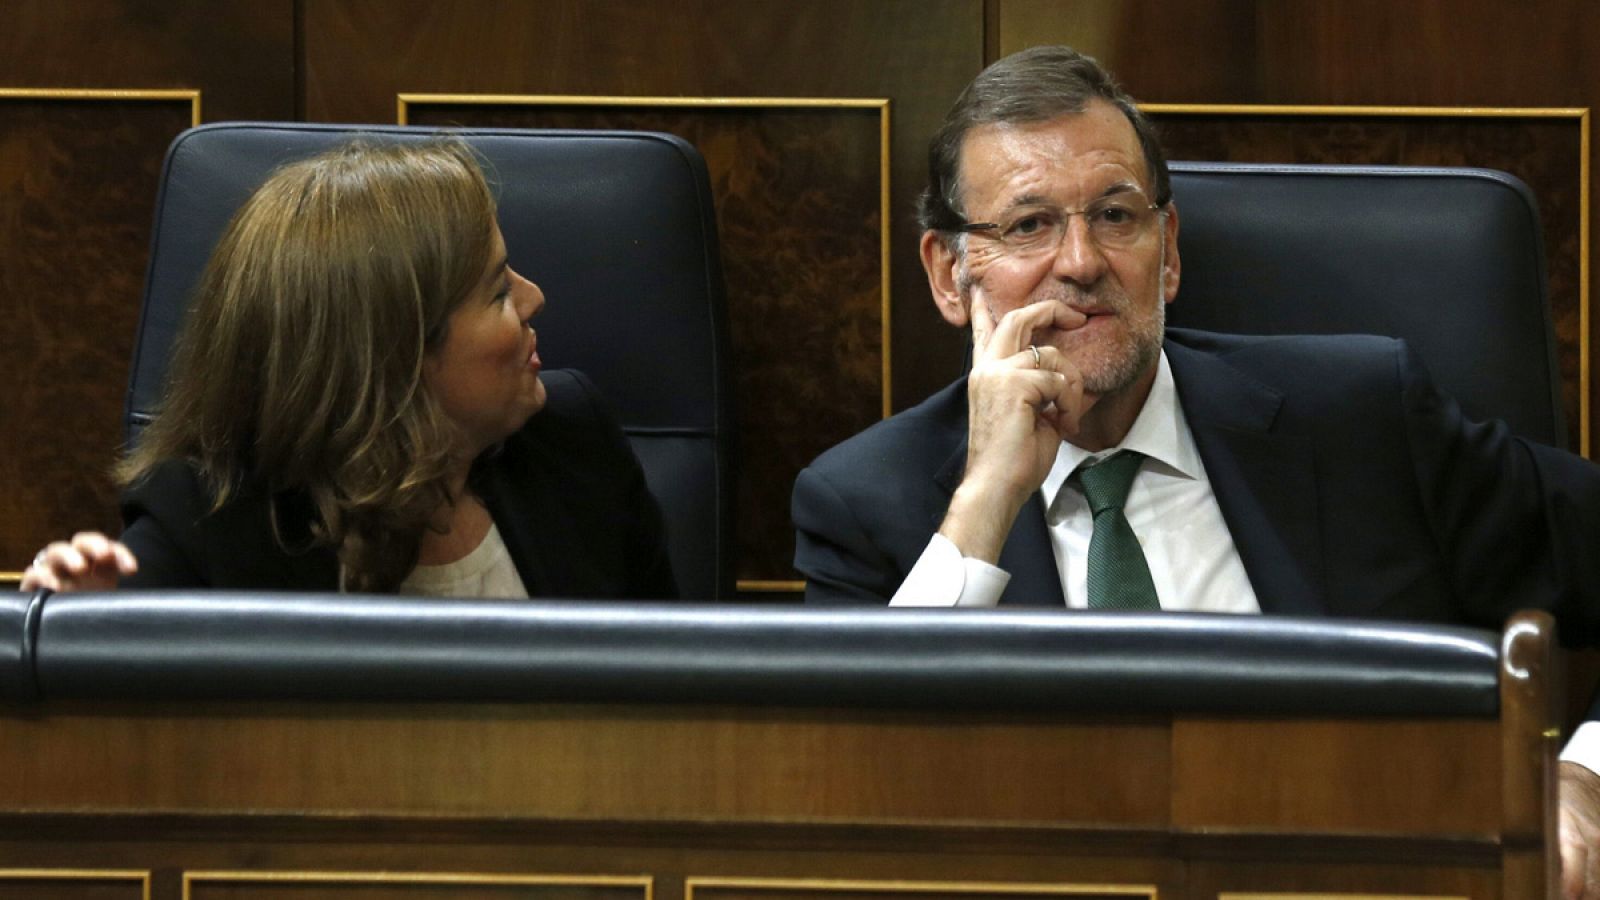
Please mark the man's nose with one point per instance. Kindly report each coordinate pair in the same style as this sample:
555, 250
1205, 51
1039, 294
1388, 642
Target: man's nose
1078, 258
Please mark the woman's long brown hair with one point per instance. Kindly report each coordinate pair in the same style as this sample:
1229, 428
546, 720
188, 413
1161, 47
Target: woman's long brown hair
300, 367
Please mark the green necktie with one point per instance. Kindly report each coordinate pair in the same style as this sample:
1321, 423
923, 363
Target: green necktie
1119, 578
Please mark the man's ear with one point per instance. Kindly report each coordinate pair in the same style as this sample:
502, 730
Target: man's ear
939, 260
1172, 267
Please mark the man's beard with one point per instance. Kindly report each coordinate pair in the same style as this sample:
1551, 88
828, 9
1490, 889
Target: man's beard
1112, 368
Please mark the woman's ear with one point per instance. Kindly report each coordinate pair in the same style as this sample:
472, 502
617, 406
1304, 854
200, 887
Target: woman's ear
942, 263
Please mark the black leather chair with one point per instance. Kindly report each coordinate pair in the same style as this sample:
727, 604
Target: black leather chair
1450, 259
618, 229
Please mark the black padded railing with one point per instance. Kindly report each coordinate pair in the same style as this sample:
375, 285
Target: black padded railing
169, 645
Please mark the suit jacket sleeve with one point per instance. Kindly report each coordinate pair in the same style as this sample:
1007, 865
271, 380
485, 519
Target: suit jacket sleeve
837, 555
1518, 520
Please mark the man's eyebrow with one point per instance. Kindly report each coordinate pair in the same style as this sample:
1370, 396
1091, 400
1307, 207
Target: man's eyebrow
1122, 187
1033, 199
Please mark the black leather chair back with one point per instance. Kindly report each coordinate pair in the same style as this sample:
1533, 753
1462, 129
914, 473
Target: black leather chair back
1452, 260
618, 229
263, 646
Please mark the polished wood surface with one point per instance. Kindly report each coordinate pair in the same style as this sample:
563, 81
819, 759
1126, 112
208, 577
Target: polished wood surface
77, 180
680, 794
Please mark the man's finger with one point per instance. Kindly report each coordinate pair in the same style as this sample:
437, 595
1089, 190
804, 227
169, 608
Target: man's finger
1014, 332
981, 313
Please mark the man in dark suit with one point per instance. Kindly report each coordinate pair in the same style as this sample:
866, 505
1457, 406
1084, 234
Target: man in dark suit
1176, 470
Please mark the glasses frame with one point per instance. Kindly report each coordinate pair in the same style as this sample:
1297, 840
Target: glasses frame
992, 230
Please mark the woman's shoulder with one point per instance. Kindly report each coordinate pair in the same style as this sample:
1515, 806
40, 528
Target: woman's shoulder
570, 394
574, 410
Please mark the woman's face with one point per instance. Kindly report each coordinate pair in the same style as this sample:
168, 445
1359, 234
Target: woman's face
486, 373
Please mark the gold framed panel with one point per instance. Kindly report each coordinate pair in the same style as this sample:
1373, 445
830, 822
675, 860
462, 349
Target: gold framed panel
764, 533
1578, 116
141, 877
115, 94
100, 497
192, 879
831, 886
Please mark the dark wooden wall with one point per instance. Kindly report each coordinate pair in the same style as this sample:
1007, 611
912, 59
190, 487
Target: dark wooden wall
77, 177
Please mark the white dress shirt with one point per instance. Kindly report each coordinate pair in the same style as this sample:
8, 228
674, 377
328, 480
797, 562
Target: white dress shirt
488, 571
1170, 507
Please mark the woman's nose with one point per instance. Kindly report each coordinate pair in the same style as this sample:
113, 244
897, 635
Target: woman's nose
530, 300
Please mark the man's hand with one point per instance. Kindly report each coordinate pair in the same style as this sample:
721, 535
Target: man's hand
1020, 407
1578, 796
89, 562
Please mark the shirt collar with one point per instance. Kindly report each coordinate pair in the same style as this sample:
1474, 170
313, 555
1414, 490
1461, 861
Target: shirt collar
1160, 432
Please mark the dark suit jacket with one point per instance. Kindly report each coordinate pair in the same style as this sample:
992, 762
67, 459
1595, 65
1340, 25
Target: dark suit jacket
566, 492
1350, 486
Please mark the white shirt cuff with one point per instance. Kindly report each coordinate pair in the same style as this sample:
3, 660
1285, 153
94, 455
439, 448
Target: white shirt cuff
943, 577
1584, 748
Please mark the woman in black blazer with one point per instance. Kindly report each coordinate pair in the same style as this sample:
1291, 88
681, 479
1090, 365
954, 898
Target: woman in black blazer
357, 403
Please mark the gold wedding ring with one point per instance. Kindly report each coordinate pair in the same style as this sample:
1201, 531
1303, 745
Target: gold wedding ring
1035, 351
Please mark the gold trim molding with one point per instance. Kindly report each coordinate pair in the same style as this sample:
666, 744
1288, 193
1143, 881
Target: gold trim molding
1331, 895
136, 94
404, 102
755, 586
142, 876
1578, 113
1021, 889
485, 879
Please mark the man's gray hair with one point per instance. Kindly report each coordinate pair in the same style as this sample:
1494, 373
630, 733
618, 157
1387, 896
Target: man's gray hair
1033, 85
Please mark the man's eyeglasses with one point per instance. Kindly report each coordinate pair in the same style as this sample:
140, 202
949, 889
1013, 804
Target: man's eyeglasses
1115, 222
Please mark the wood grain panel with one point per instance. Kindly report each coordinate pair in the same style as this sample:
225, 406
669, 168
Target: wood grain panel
798, 194
77, 189
1335, 776
73, 884
408, 886
1369, 52
1315, 880
536, 761
238, 53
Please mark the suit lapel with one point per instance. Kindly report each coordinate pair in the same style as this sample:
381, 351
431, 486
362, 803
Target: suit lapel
1264, 481
513, 499
1027, 553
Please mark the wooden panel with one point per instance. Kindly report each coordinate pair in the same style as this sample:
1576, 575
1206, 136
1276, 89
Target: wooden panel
799, 198
538, 761
407, 886
73, 884
238, 53
77, 188
1335, 776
